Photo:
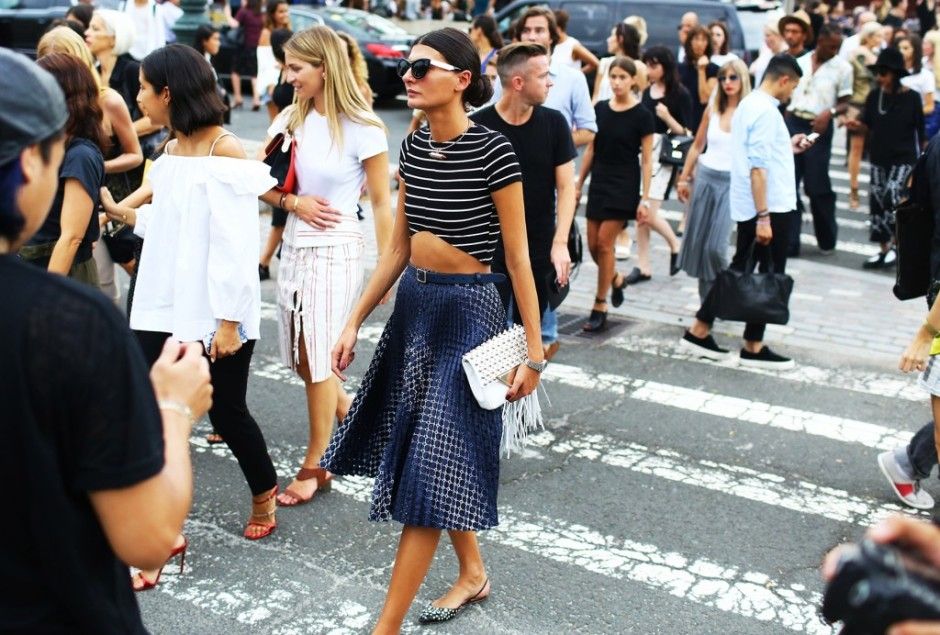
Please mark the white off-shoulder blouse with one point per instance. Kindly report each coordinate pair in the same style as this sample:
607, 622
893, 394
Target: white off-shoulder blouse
199, 263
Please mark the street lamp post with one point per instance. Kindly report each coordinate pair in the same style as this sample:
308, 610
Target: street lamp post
194, 15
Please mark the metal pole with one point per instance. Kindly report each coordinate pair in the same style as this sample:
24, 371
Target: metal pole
194, 15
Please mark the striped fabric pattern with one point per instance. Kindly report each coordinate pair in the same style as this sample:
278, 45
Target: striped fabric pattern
451, 196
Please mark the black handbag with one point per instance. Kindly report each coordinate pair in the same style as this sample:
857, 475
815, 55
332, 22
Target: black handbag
758, 298
120, 241
914, 228
674, 148
279, 156
575, 245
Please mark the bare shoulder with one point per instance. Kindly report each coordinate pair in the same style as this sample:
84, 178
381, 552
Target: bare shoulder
229, 146
111, 102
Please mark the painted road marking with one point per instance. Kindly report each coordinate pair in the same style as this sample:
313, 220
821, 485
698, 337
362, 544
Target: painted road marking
742, 482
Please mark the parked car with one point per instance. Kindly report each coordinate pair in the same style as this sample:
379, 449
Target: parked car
23, 22
382, 42
591, 20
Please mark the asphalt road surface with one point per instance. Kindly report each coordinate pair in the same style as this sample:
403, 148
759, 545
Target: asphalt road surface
666, 495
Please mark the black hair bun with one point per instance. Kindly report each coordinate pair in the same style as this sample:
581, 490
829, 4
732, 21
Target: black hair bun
479, 91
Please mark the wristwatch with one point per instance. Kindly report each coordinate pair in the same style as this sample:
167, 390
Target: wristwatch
833, 112
536, 366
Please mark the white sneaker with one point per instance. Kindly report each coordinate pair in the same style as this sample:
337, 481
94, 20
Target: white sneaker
905, 488
622, 252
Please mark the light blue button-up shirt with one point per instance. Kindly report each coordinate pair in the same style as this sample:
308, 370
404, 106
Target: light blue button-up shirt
760, 139
568, 95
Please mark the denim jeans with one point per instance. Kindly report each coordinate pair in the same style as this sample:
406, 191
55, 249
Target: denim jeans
549, 322
920, 455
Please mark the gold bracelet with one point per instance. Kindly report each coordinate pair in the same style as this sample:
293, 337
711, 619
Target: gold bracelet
178, 407
930, 329
296, 200
280, 202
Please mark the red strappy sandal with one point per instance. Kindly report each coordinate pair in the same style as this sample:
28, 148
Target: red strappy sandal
267, 527
177, 551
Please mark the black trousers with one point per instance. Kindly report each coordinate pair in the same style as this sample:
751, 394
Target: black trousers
922, 451
776, 252
812, 168
229, 413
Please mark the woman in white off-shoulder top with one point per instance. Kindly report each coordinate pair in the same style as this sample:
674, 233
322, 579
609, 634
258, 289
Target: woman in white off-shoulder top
197, 278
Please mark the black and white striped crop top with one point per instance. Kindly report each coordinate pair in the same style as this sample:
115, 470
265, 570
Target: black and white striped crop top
450, 197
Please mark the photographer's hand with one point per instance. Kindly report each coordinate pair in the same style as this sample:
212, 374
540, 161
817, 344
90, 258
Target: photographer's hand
917, 537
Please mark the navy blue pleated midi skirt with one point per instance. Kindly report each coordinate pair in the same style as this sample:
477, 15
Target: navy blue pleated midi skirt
414, 425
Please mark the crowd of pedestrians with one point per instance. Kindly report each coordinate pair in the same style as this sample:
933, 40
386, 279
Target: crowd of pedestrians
126, 161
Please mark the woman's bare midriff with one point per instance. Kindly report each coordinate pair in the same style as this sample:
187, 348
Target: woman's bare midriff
435, 254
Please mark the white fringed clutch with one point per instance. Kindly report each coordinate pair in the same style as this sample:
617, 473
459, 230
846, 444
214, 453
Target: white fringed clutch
488, 367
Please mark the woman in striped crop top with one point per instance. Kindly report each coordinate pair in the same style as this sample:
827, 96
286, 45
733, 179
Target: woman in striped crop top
414, 424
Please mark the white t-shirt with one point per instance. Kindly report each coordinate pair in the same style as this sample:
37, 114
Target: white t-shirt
335, 173
149, 28
923, 82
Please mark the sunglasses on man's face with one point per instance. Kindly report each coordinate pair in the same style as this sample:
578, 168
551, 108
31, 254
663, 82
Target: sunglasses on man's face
419, 68
728, 78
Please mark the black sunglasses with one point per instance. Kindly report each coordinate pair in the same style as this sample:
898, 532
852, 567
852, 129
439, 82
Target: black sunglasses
419, 68
728, 78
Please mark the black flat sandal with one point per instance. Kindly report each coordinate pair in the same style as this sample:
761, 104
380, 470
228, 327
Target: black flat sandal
616, 290
597, 321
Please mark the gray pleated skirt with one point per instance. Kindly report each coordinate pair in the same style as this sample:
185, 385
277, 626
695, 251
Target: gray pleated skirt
708, 228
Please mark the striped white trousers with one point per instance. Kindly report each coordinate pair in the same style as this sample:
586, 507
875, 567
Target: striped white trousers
317, 289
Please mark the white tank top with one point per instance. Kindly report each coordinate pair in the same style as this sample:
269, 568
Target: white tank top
718, 153
562, 52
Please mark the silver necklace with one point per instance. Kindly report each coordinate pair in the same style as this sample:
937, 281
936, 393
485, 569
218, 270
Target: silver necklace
881, 95
438, 152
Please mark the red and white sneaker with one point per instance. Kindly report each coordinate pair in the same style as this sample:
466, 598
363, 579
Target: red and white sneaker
906, 489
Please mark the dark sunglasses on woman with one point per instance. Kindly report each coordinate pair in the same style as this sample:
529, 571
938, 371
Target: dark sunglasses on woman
420, 67
728, 78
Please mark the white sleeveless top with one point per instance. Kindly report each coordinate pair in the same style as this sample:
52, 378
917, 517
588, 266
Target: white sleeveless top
562, 52
718, 153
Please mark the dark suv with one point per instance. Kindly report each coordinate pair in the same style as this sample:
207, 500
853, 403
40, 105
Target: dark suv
22, 22
592, 20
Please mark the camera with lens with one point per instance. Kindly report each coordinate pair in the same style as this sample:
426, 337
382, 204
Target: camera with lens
876, 586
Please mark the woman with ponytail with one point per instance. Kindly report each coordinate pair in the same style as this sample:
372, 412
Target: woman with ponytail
414, 425
340, 145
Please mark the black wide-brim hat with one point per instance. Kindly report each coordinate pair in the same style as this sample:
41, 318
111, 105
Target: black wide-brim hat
890, 59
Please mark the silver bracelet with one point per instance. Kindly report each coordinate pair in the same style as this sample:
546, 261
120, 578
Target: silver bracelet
178, 407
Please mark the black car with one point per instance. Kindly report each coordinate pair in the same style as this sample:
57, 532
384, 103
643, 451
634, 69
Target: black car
592, 20
23, 22
381, 41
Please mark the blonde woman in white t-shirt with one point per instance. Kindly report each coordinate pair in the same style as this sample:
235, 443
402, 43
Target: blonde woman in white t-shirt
341, 145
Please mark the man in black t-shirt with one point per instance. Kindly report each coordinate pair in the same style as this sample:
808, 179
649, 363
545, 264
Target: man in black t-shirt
94, 452
542, 141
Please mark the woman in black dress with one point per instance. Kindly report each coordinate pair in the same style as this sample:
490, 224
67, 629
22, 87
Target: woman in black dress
282, 95
624, 128
669, 102
894, 119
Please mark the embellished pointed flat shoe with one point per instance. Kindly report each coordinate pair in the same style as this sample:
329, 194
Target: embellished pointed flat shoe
438, 614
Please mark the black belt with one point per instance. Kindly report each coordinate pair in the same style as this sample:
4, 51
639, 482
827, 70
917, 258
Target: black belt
430, 277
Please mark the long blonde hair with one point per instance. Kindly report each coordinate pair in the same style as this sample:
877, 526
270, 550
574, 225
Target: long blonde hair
719, 101
62, 39
320, 46
356, 61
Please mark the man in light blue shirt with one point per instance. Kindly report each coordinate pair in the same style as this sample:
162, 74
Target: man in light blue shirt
570, 96
763, 203
569, 93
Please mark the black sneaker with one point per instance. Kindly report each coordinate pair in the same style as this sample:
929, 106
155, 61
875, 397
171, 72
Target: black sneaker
705, 347
264, 273
766, 358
